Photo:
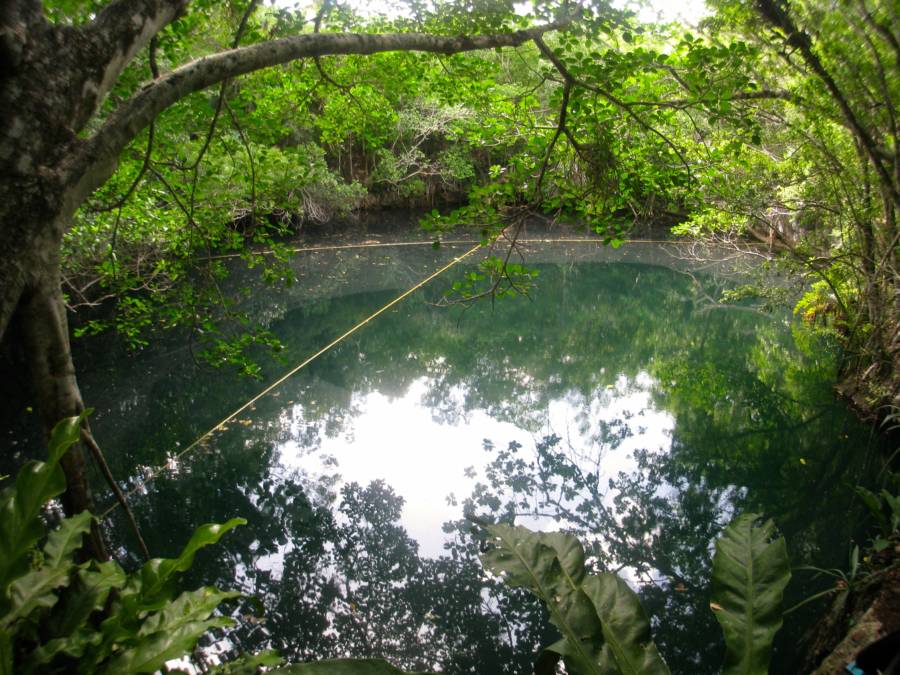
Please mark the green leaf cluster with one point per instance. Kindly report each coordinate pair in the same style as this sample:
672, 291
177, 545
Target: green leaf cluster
59, 615
604, 628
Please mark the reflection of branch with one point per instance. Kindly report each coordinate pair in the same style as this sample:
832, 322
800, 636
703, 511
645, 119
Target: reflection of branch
595, 497
779, 430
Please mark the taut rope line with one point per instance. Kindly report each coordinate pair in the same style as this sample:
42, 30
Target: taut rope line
445, 242
156, 472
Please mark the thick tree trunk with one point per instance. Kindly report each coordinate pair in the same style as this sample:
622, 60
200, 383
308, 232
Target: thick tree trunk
42, 323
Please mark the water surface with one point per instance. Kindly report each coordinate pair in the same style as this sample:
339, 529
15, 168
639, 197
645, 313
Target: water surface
621, 402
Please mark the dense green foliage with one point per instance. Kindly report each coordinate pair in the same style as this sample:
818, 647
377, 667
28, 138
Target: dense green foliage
59, 615
750, 572
609, 123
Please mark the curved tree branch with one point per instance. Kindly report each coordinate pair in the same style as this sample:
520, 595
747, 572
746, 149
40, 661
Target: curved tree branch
95, 160
120, 30
609, 96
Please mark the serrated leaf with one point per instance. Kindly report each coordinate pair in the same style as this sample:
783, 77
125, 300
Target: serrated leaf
750, 572
628, 646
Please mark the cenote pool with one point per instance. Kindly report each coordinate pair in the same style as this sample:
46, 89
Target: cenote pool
620, 402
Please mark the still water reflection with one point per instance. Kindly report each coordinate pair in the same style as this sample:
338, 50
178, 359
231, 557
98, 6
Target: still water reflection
620, 402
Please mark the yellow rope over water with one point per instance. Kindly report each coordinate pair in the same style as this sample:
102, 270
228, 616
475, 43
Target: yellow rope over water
446, 242
156, 472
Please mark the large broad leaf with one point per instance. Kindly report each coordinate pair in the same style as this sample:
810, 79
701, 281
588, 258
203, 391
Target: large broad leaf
343, 667
156, 574
36, 589
628, 646
66, 539
88, 595
552, 567
151, 653
33, 591
74, 645
604, 627
188, 607
151, 589
750, 572
21, 504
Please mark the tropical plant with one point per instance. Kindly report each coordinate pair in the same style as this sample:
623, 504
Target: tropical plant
750, 572
885, 508
61, 616
845, 581
604, 628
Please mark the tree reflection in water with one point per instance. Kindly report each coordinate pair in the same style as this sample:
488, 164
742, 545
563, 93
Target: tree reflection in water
645, 415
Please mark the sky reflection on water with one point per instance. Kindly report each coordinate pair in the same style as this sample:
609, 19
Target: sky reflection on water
622, 402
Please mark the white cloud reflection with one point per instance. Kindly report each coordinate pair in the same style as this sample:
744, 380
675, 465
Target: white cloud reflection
398, 440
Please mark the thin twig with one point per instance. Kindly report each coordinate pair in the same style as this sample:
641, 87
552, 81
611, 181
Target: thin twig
88, 439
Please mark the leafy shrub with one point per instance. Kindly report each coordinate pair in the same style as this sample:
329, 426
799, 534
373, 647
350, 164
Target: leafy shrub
60, 616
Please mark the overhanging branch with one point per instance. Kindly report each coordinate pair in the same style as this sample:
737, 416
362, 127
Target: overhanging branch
96, 159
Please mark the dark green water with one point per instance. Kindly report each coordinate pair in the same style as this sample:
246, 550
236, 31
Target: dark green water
619, 402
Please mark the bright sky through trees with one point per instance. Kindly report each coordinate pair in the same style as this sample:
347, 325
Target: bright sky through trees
688, 11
